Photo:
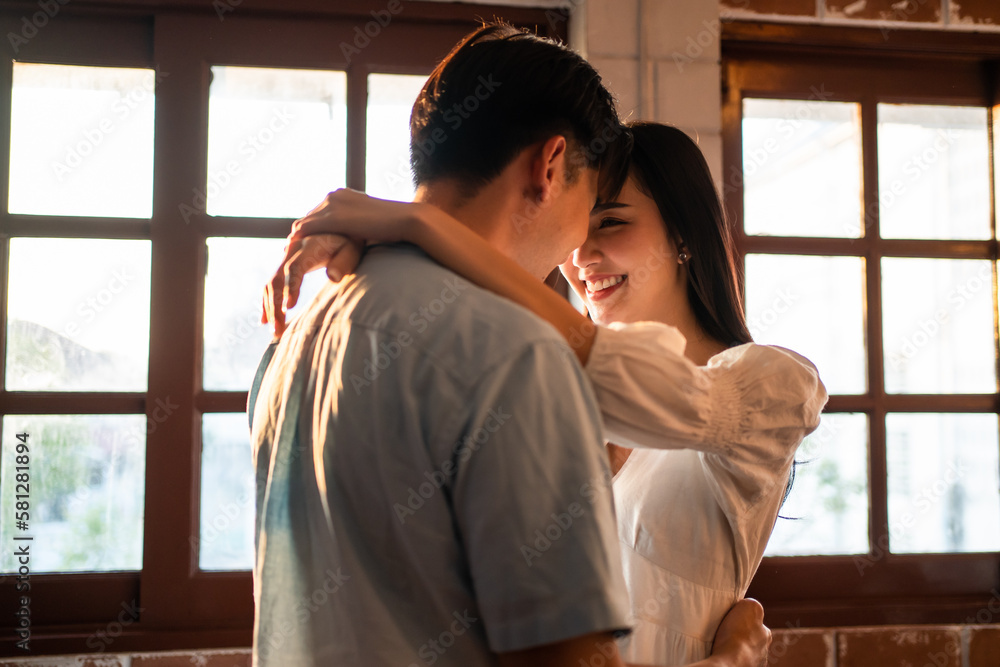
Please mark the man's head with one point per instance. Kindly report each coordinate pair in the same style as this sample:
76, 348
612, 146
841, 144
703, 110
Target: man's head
500, 101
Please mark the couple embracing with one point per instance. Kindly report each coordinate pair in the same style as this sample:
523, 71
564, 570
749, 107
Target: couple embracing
650, 443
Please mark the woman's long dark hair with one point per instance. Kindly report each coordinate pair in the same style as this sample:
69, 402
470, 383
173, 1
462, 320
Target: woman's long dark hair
669, 168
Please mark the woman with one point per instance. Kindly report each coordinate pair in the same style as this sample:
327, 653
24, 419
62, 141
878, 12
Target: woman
707, 421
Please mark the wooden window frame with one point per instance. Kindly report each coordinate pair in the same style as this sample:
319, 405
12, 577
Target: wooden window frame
183, 607
866, 65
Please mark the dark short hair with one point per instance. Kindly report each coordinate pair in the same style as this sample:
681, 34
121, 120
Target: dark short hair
502, 89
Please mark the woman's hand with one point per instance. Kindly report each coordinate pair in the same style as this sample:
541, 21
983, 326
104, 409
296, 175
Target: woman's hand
339, 254
742, 639
333, 235
356, 215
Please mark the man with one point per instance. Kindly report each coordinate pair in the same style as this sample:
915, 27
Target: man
431, 480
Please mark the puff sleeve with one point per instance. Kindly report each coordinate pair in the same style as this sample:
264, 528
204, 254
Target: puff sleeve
749, 402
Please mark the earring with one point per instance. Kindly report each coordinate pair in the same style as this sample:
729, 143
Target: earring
683, 257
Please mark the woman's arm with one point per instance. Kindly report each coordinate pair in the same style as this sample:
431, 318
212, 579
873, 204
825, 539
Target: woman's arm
751, 402
353, 214
758, 400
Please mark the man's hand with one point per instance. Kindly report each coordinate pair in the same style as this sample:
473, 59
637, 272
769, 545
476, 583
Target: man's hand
742, 639
339, 254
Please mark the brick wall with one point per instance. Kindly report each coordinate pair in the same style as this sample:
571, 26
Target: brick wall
217, 658
933, 14
889, 646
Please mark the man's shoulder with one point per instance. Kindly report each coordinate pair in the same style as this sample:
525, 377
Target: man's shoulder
422, 294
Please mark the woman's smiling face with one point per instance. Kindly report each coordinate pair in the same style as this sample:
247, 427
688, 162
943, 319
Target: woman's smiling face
627, 269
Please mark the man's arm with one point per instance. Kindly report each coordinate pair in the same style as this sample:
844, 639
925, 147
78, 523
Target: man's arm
573, 652
533, 501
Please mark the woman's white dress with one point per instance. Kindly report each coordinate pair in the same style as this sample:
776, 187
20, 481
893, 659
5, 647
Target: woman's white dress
697, 498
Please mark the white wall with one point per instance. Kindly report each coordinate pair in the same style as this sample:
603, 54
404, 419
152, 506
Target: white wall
661, 58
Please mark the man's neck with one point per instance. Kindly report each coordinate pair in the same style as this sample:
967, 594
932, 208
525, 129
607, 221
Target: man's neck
486, 213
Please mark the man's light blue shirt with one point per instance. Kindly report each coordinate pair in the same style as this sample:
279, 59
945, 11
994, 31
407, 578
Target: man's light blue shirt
432, 486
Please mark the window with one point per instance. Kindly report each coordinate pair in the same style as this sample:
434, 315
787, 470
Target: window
860, 179
155, 159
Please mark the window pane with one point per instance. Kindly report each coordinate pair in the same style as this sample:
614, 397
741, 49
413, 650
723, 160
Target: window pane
78, 315
277, 141
938, 326
815, 306
943, 483
827, 510
387, 163
234, 337
933, 172
228, 500
802, 168
81, 141
86, 491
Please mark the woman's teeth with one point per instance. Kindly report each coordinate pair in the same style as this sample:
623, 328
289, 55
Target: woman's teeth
597, 286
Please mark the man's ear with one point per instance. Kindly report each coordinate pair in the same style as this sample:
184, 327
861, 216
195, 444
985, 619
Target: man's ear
548, 168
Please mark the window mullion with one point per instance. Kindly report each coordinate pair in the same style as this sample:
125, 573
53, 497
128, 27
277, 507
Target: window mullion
878, 486
172, 446
357, 123
992, 120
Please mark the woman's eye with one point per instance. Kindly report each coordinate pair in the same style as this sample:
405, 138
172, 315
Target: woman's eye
610, 222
